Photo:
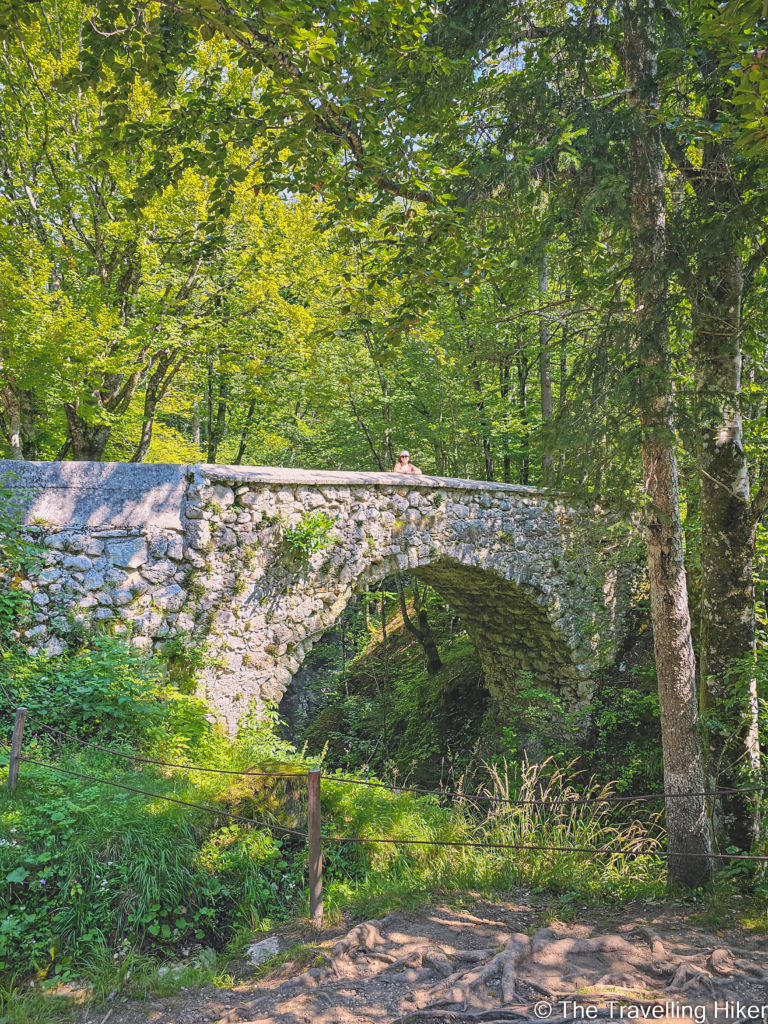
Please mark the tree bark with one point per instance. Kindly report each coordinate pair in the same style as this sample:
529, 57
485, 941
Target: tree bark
246, 433
217, 424
12, 420
90, 435
89, 440
545, 373
522, 402
18, 415
157, 388
480, 405
727, 601
422, 632
504, 390
689, 841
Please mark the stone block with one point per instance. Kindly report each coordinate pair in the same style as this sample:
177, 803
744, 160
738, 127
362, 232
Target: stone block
129, 554
226, 539
175, 549
198, 534
93, 580
94, 547
222, 495
170, 598
150, 624
81, 562
159, 572
158, 546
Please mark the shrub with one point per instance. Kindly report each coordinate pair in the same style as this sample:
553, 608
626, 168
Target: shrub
311, 534
108, 687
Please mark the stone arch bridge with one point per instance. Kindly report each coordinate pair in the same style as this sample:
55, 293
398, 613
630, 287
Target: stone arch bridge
154, 551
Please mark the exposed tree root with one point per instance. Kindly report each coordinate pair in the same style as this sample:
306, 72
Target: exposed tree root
366, 935
457, 988
600, 965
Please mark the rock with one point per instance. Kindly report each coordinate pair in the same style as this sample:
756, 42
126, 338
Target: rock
198, 534
41, 600
122, 598
151, 624
103, 613
158, 546
115, 576
94, 547
93, 580
136, 584
87, 602
75, 543
159, 572
170, 598
175, 548
223, 496
81, 562
252, 499
129, 554
36, 631
226, 539
49, 576
262, 951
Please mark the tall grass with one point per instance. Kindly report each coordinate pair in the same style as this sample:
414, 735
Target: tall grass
628, 865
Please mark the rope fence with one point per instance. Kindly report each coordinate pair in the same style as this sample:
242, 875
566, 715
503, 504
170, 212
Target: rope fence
417, 790
314, 836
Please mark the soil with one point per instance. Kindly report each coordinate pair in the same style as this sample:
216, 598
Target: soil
488, 961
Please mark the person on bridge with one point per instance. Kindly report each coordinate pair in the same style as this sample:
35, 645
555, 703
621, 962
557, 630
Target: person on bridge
404, 464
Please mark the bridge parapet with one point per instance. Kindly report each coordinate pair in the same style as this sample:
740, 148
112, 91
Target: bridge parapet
215, 552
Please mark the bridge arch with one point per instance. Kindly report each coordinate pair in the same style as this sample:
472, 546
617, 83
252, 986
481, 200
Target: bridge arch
215, 552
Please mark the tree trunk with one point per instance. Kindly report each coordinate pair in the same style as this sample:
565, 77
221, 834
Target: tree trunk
157, 388
422, 632
89, 440
90, 434
9, 399
217, 426
18, 418
477, 384
689, 842
545, 373
727, 624
522, 401
504, 389
246, 432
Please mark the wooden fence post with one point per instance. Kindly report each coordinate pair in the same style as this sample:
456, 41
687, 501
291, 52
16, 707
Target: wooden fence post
15, 759
315, 849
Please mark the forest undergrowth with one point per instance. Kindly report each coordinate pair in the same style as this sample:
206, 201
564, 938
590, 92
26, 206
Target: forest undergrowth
106, 889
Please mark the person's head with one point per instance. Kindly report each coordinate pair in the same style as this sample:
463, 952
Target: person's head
405, 456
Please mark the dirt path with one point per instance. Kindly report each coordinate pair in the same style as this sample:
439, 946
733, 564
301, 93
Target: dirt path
491, 962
